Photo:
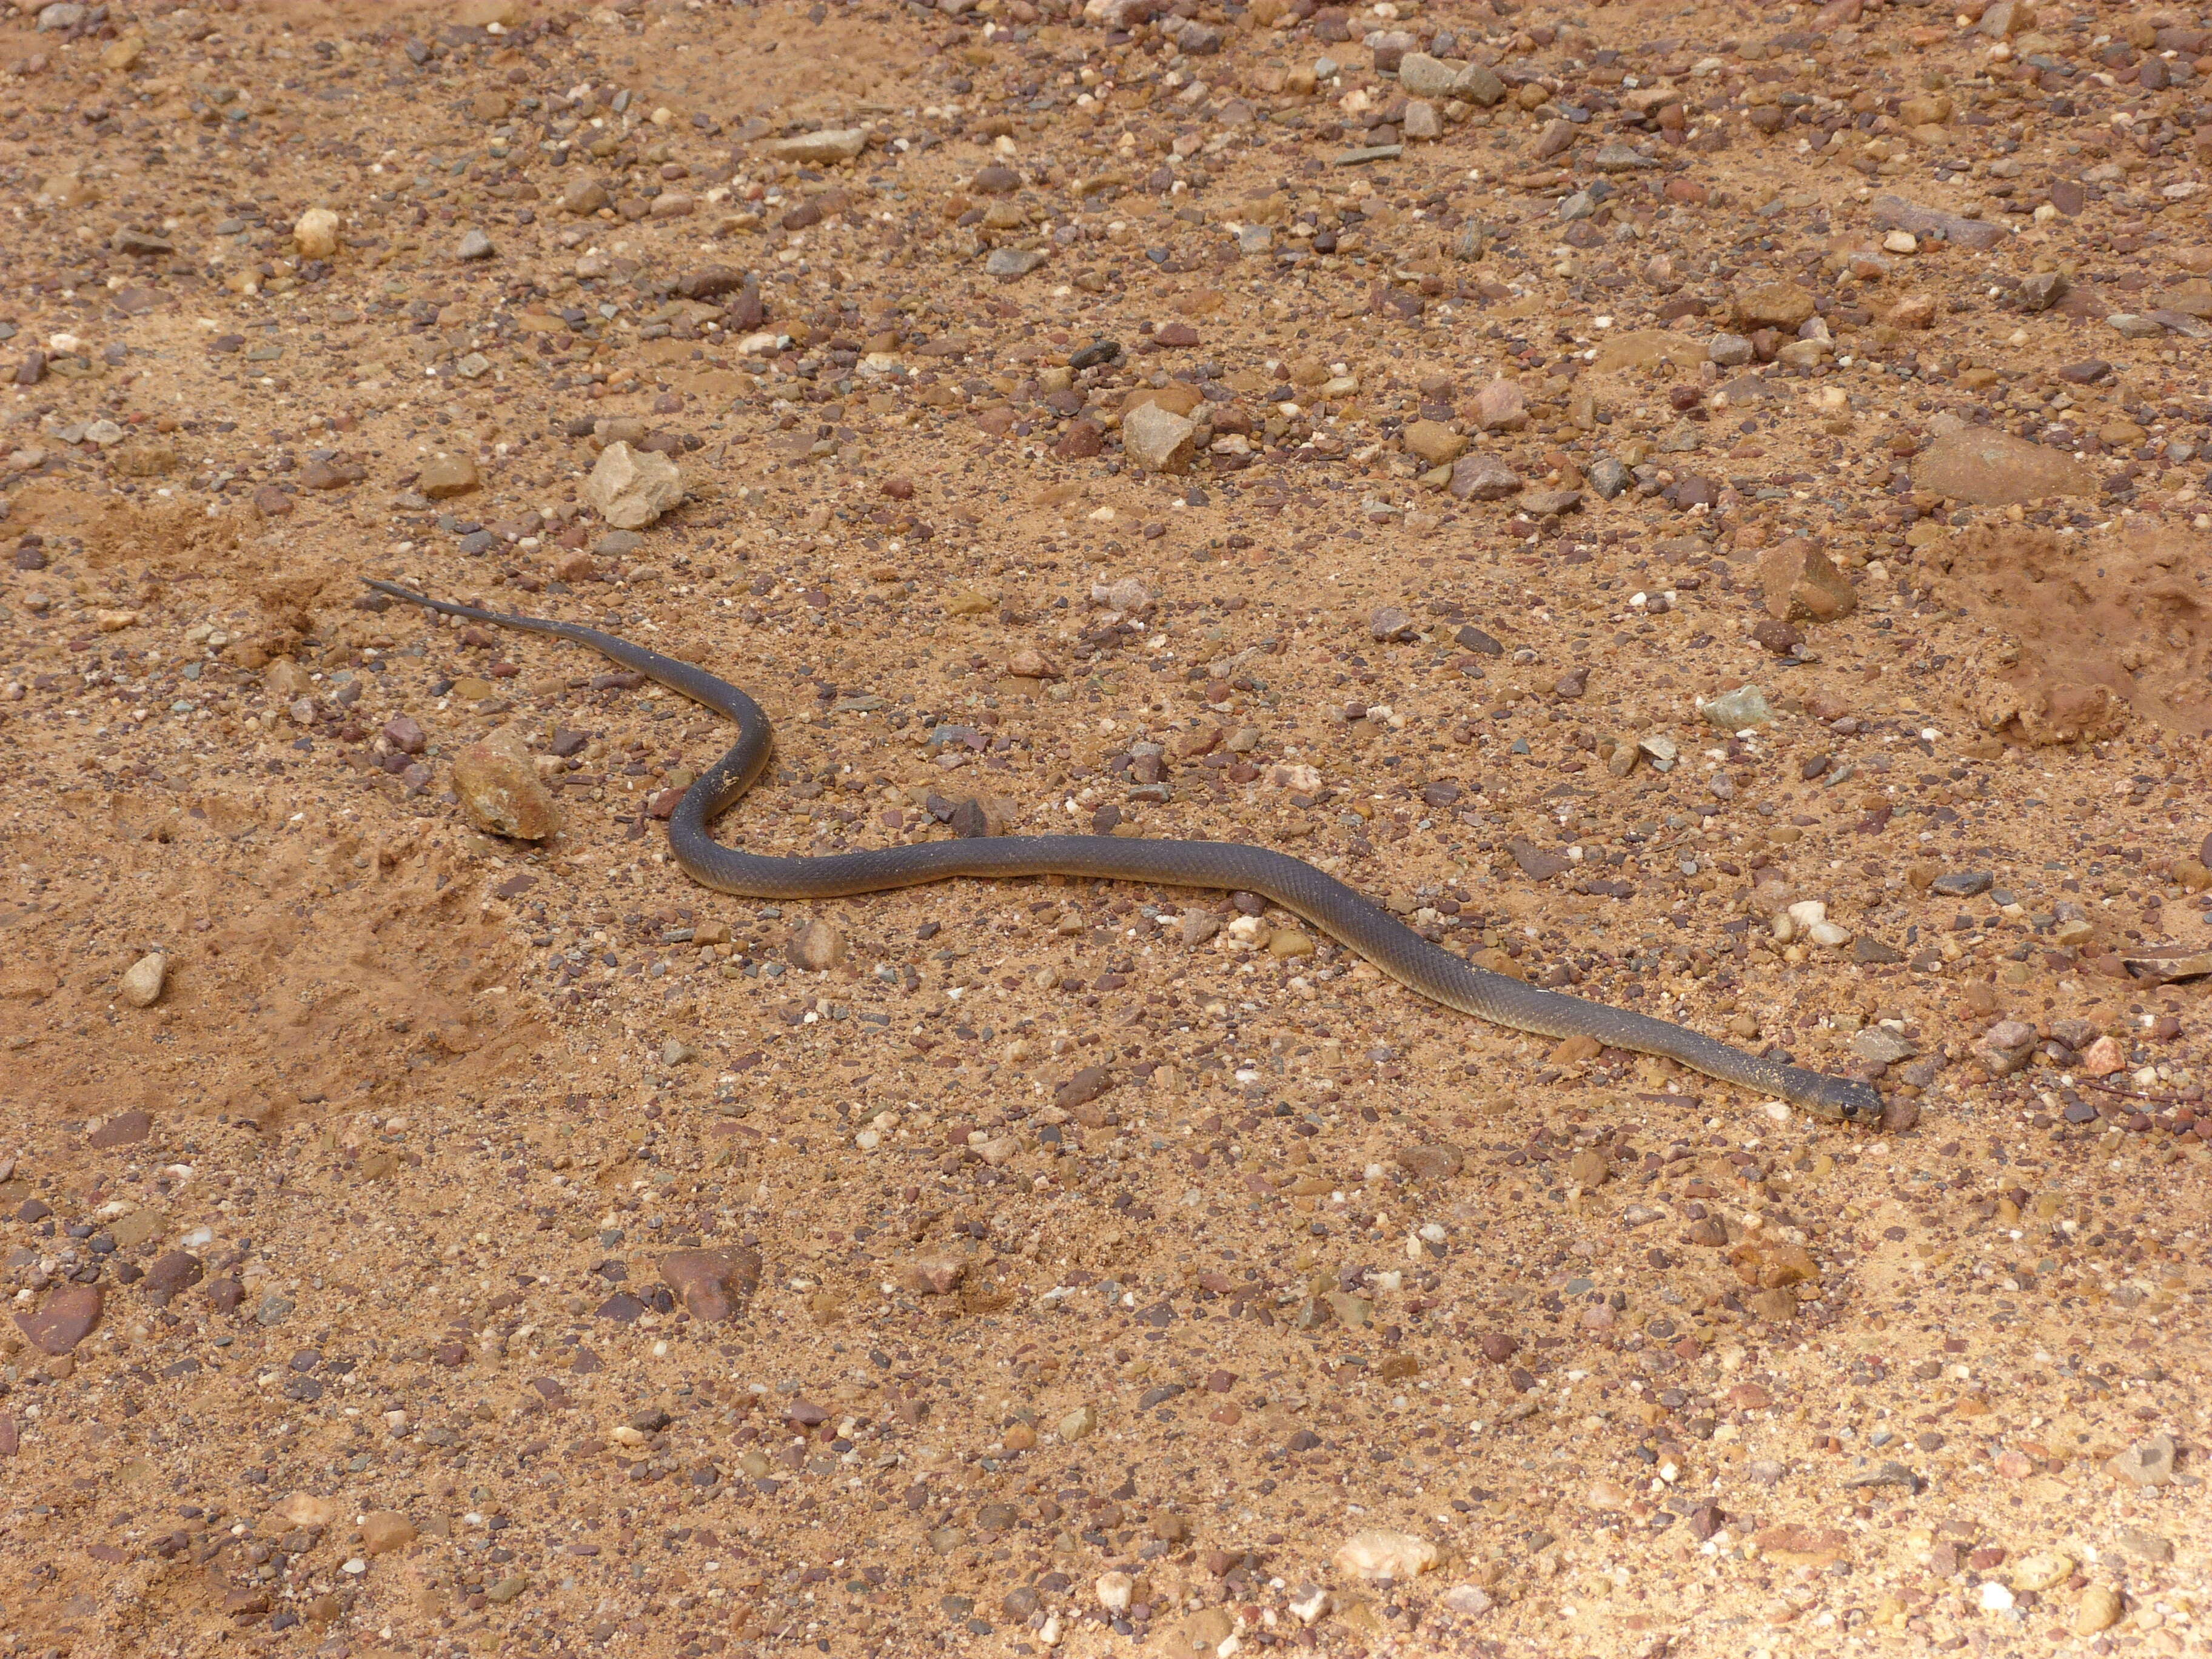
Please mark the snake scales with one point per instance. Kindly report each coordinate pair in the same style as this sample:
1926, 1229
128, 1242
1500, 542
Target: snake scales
1297, 886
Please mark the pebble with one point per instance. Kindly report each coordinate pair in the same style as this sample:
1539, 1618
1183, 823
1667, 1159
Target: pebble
1159, 439
1078, 1425
1011, 261
2099, 1608
500, 790
1380, 1553
122, 1129
2103, 1057
1992, 468
169, 1273
1878, 1045
1617, 157
1895, 213
1800, 584
2041, 1572
1736, 710
445, 476
2042, 290
1483, 478
1434, 442
1775, 305
1389, 624
1731, 350
383, 1531
583, 195
1434, 1161
1501, 406
712, 1285
817, 947
831, 144
1963, 883
1115, 1591
315, 234
304, 1508
2146, 1463
64, 1319
1421, 76
141, 982
2143, 1545
933, 1275
632, 488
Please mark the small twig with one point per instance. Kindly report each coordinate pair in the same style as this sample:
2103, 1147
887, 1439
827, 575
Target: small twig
2160, 1100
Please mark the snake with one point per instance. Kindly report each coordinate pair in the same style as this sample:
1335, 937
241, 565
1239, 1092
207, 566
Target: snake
1330, 905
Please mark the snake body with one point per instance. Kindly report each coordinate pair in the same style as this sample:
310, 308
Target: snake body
1297, 886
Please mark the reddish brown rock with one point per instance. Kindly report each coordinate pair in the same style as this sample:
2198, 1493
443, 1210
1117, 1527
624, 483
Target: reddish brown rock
1801, 585
932, 1275
712, 1284
63, 1319
123, 1129
169, 1273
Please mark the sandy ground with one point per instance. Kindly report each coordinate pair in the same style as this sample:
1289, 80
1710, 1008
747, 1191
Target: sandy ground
1699, 505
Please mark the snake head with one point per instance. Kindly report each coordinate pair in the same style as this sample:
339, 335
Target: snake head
1858, 1103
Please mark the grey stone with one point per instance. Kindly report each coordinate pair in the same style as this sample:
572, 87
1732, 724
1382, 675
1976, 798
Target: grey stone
1479, 85
831, 145
1483, 478
1731, 350
1879, 1046
1422, 76
2180, 322
2143, 1544
1895, 213
1255, 239
1012, 261
1732, 711
1622, 158
1608, 477
62, 14
1421, 121
1963, 883
1390, 47
1390, 624
474, 246
2045, 290
1887, 1473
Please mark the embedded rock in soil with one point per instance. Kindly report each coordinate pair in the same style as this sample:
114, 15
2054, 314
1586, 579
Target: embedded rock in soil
1990, 468
711, 1284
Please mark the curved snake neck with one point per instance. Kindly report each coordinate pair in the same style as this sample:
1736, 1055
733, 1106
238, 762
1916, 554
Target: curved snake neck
1297, 886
